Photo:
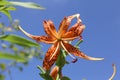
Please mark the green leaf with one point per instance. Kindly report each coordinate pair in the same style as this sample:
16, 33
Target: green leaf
2, 66
7, 13
10, 8
2, 77
65, 78
18, 40
4, 3
46, 76
27, 5
11, 57
41, 69
5, 9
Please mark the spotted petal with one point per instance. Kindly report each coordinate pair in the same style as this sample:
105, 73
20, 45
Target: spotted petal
73, 50
51, 56
50, 29
65, 24
44, 39
74, 32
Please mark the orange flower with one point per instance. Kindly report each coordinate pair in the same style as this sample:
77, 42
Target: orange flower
60, 39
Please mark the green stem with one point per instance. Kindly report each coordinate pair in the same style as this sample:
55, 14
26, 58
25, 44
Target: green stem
61, 62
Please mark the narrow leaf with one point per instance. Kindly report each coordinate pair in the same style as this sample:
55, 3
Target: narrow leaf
41, 69
4, 3
18, 40
2, 77
7, 13
27, 5
10, 8
2, 66
46, 76
11, 57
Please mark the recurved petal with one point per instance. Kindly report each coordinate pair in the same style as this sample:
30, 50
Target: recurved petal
73, 33
26, 33
51, 56
50, 29
73, 50
45, 39
65, 24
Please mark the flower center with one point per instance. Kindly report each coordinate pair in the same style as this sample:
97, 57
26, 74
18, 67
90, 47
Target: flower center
59, 39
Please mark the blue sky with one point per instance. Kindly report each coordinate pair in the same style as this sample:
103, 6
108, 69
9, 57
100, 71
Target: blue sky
101, 36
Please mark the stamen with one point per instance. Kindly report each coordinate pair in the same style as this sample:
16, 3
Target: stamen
71, 56
27, 34
54, 52
74, 59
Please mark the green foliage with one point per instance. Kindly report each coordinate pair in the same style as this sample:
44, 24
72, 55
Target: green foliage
2, 77
15, 48
10, 56
2, 66
18, 50
18, 40
7, 6
41, 69
27, 5
44, 74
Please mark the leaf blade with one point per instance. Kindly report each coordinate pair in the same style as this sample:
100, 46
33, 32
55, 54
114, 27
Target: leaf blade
7, 13
10, 56
4, 3
27, 5
18, 40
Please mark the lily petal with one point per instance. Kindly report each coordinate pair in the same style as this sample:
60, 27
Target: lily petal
71, 49
26, 33
51, 56
73, 33
50, 29
44, 39
65, 24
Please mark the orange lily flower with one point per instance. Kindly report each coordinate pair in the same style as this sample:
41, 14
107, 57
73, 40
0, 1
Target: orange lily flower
60, 39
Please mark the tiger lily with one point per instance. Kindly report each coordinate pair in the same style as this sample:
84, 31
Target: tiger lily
60, 39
